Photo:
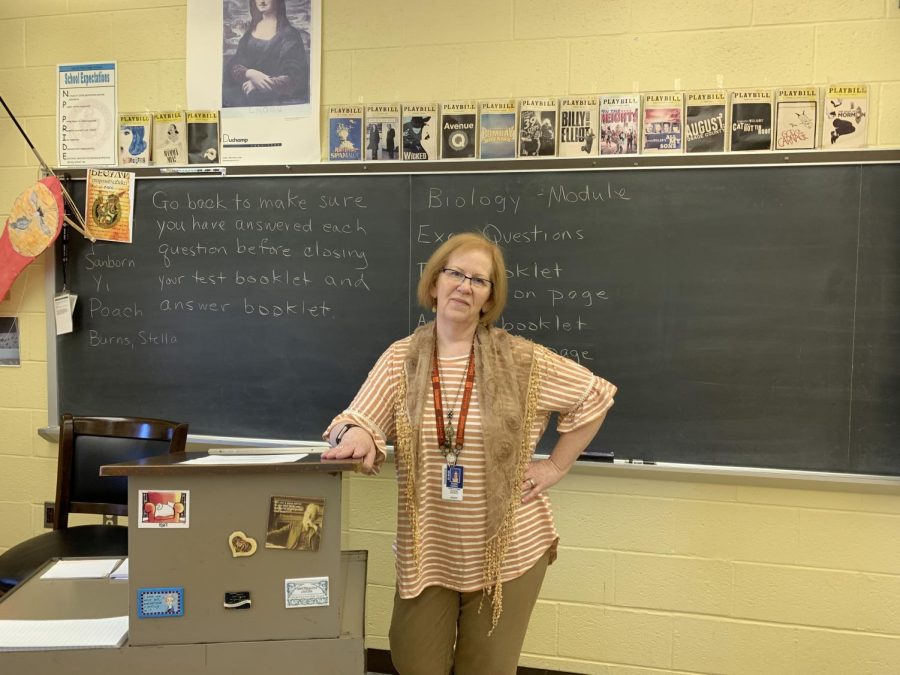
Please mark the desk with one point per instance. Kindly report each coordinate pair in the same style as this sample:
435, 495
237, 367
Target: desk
96, 598
224, 499
267, 638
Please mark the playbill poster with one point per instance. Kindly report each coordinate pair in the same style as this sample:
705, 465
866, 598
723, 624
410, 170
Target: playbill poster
259, 61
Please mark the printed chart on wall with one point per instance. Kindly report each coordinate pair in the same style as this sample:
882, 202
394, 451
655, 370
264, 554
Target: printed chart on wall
86, 114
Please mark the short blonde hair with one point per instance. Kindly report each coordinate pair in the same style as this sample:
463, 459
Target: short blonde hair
438, 260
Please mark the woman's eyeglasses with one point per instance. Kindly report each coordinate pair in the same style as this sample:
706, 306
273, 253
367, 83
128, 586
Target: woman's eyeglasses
460, 277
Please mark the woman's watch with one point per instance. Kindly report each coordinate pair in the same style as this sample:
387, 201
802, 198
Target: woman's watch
340, 436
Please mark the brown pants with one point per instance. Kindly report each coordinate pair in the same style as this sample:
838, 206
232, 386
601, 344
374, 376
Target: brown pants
441, 631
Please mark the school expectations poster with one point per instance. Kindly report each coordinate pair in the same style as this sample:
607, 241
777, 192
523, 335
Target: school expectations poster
259, 62
86, 114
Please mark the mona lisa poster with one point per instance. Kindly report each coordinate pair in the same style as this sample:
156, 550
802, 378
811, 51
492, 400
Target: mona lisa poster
259, 61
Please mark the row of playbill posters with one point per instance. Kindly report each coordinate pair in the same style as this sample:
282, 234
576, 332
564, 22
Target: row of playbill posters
624, 124
169, 138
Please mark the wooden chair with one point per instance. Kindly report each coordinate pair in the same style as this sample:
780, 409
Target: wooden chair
85, 444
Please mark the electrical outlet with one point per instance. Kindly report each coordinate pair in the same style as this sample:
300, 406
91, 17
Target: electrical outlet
109, 519
49, 509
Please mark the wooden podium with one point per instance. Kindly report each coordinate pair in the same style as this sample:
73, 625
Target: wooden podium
198, 563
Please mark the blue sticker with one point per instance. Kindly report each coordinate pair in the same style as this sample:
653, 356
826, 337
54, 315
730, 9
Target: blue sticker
160, 602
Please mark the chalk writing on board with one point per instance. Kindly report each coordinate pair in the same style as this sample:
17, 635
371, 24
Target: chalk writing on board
437, 199
94, 261
97, 309
254, 274
99, 339
534, 270
588, 193
273, 226
579, 297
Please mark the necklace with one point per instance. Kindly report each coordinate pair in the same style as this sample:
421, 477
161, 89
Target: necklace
448, 449
455, 398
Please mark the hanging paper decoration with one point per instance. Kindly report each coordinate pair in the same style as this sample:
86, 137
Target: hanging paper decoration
34, 222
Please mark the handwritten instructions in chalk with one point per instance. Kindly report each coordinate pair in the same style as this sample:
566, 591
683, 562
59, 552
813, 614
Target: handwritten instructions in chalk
248, 307
556, 298
255, 306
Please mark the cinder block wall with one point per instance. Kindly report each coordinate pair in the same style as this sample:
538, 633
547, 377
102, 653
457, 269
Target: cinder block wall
669, 574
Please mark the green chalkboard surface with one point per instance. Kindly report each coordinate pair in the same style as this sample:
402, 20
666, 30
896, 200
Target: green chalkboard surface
749, 315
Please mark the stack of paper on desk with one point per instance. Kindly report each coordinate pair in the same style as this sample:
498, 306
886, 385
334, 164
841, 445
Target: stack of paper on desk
93, 568
62, 634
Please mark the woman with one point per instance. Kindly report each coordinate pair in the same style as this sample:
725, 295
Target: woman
270, 65
466, 404
173, 138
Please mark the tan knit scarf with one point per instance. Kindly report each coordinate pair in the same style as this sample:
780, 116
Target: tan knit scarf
506, 370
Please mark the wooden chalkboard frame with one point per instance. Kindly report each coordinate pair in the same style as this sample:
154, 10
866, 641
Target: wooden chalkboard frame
861, 157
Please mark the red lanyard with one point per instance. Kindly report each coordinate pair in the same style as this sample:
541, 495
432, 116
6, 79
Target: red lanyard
443, 441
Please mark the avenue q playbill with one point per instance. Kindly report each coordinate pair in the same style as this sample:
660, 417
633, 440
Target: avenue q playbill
259, 61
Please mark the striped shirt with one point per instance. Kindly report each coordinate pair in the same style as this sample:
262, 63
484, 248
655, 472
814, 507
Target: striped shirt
453, 533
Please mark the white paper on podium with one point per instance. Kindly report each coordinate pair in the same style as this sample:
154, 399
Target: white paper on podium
24, 635
245, 459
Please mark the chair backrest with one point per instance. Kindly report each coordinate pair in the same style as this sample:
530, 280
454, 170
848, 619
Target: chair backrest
87, 443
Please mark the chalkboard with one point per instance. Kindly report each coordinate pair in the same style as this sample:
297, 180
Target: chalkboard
749, 315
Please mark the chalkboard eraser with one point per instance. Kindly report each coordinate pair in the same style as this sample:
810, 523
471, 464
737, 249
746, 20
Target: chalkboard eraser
595, 456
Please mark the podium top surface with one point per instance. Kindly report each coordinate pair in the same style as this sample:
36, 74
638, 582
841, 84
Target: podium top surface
173, 464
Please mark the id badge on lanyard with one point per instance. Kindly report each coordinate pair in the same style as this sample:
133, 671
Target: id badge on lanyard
452, 483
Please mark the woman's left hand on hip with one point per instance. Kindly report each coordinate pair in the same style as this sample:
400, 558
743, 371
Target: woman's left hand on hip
541, 475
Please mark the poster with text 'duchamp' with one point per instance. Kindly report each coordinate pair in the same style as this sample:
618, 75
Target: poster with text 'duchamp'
259, 62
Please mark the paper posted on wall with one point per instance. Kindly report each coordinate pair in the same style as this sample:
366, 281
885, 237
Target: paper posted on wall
261, 69
86, 114
9, 341
110, 204
63, 309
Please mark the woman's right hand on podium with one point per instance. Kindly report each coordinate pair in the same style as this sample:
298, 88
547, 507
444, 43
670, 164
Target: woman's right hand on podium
356, 443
